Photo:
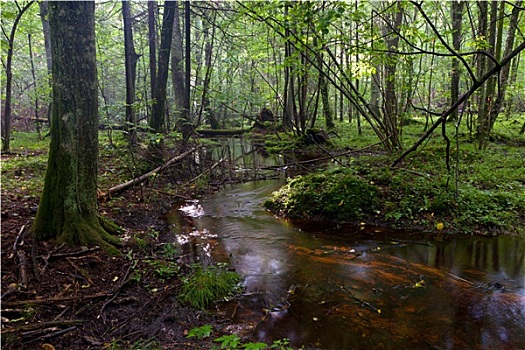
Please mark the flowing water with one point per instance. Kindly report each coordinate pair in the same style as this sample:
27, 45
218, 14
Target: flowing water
344, 287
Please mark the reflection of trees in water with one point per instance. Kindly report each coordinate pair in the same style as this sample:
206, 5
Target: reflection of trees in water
500, 257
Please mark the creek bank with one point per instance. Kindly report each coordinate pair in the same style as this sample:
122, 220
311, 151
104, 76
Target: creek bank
398, 199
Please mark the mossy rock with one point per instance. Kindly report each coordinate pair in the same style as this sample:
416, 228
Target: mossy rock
328, 195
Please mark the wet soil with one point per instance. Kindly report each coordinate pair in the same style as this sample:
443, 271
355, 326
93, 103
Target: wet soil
83, 298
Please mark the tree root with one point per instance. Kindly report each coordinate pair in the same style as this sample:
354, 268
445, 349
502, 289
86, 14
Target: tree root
95, 232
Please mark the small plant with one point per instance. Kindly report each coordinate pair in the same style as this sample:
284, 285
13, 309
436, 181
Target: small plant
230, 341
208, 285
233, 341
170, 250
200, 332
164, 269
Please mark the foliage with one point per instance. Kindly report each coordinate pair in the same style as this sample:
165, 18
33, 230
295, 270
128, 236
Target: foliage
233, 341
207, 285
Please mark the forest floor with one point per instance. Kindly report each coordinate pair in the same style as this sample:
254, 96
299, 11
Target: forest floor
84, 298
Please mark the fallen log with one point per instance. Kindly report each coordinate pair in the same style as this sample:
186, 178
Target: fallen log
138, 180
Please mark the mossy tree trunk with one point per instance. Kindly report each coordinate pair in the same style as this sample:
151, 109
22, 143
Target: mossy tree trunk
68, 210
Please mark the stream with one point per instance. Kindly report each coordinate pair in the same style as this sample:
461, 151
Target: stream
346, 287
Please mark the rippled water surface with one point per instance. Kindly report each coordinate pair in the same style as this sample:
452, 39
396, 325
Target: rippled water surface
359, 287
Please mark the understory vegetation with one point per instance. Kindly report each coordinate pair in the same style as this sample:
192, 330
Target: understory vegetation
474, 192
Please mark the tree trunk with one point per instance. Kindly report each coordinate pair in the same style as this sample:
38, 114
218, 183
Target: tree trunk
131, 59
390, 101
157, 120
68, 206
457, 17
46, 30
152, 35
177, 76
323, 86
505, 71
6, 120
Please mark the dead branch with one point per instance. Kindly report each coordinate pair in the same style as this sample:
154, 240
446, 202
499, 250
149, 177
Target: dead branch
35, 326
138, 180
19, 237
22, 264
72, 254
54, 300
82, 272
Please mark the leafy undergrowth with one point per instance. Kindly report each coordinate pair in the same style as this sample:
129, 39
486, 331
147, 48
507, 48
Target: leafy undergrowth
477, 192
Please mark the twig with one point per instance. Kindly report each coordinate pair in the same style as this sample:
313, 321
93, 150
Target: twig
35, 326
54, 334
22, 262
125, 280
234, 311
81, 271
18, 238
72, 254
361, 301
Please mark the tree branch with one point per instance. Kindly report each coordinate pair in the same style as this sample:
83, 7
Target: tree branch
496, 69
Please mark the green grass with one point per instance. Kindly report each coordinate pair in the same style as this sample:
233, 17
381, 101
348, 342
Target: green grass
207, 285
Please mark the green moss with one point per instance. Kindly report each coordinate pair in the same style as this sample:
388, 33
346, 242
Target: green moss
329, 195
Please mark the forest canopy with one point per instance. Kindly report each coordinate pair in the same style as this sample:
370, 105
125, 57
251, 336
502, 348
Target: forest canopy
382, 64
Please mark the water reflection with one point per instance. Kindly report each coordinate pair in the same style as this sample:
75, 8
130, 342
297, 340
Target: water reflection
352, 288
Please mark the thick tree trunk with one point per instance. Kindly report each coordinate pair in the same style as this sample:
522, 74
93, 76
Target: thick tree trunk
68, 206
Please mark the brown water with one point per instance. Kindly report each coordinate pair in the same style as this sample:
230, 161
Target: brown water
358, 287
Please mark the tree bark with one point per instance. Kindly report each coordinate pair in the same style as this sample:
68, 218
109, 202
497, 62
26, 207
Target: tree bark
131, 58
177, 76
157, 120
457, 17
68, 206
152, 34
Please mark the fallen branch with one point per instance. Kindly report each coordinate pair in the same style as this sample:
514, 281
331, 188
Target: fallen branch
22, 262
18, 238
35, 326
53, 300
72, 254
138, 180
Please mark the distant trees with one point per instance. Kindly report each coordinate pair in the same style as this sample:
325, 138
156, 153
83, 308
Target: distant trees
10, 39
310, 62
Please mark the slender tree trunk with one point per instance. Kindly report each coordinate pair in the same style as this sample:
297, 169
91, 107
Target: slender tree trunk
323, 87
177, 75
6, 120
457, 17
505, 71
152, 36
390, 101
157, 121
490, 88
37, 119
68, 206
205, 101
187, 42
131, 58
